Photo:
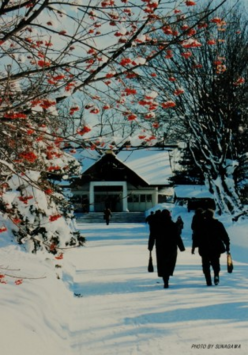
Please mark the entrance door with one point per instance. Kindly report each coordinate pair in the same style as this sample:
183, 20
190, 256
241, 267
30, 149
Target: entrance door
112, 193
108, 196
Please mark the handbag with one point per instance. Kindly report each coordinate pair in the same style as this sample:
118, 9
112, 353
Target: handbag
150, 264
229, 263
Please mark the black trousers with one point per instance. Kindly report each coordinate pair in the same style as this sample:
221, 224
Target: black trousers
208, 261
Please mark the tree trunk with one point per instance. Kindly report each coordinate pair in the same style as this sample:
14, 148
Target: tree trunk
223, 187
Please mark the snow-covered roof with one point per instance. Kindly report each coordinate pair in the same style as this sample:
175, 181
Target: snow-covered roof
192, 191
152, 164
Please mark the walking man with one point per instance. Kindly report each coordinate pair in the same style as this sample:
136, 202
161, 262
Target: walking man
212, 242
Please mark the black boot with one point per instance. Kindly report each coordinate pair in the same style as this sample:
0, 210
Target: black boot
208, 279
166, 281
216, 280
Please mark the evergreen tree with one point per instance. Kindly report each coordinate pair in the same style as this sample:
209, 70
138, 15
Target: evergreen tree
186, 171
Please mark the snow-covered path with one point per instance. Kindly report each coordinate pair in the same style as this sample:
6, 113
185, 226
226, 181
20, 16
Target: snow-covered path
120, 308
100, 299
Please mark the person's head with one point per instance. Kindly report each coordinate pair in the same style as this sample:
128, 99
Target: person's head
209, 214
158, 212
166, 213
199, 211
152, 212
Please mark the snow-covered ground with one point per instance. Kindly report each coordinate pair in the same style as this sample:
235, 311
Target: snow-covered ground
100, 299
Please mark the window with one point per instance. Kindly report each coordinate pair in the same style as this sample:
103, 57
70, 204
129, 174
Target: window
133, 198
142, 198
130, 198
149, 198
145, 198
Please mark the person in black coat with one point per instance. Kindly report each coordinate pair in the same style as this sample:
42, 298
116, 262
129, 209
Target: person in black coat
196, 227
149, 218
107, 215
164, 234
180, 224
212, 242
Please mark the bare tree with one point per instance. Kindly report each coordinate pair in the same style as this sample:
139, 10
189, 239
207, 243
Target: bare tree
206, 83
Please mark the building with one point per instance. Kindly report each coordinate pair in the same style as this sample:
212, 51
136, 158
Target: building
194, 196
133, 180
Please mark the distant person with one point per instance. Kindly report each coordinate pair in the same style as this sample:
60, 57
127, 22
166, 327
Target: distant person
166, 239
212, 242
196, 226
107, 215
180, 224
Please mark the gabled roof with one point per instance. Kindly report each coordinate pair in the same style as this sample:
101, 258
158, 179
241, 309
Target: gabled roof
152, 165
87, 158
110, 168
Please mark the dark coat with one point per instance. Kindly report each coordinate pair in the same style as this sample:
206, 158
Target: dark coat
164, 234
107, 214
180, 224
154, 223
149, 219
197, 228
214, 239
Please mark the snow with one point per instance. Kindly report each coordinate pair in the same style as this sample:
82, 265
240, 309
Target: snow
102, 300
192, 191
151, 164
